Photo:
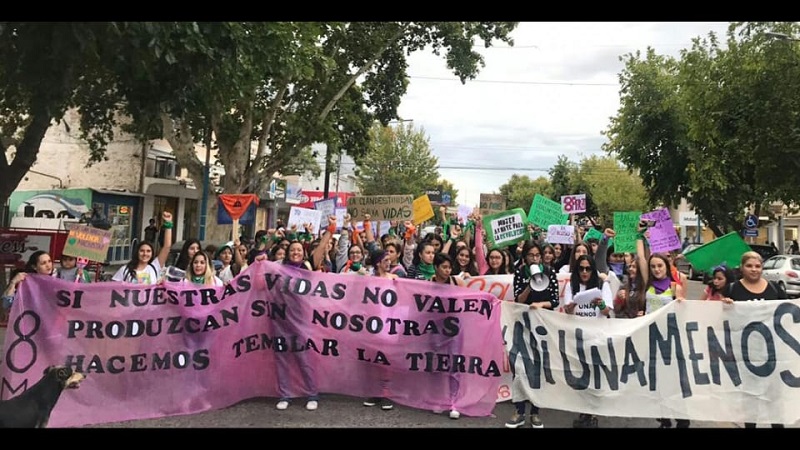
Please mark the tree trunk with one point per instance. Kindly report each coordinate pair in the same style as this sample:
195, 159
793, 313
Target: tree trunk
25, 156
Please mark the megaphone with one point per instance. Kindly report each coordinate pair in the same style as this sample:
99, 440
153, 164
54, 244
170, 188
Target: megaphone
539, 280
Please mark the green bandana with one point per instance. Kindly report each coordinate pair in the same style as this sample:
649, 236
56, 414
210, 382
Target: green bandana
426, 270
198, 280
355, 267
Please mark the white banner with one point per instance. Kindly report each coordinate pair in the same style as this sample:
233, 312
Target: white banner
696, 360
687, 218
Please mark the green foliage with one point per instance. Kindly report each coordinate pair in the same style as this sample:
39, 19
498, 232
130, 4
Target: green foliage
519, 191
398, 161
718, 126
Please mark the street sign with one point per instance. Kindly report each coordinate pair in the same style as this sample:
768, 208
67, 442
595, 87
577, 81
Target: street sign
751, 221
445, 198
750, 232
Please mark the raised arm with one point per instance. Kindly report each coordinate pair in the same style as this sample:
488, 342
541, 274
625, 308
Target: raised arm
318, 256
644, 268
480, 253
163, 254
601, 257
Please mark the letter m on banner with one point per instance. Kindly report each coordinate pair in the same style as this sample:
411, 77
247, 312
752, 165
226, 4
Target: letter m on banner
236, 204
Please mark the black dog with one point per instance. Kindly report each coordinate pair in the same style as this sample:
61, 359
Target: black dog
32, 408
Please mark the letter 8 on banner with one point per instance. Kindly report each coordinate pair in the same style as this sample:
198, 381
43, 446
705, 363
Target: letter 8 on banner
236, 204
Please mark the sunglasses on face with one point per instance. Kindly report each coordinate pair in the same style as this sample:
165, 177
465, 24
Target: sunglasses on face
584, 269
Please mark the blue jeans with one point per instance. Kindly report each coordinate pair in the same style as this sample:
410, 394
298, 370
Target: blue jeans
520, 406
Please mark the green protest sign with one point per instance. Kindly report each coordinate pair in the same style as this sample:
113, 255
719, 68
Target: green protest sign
726, 250
626, 227
546, 212
506, 228
593, 233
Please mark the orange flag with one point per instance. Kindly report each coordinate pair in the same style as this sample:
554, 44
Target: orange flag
236, 204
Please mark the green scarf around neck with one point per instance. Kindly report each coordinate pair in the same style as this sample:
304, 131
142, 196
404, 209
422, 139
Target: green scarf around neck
198, 280
427, 270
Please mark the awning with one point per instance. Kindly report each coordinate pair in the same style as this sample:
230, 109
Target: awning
119, 192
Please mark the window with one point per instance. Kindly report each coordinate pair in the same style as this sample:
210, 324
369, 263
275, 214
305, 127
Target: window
773, 263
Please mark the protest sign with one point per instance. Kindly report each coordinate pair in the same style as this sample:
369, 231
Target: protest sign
339, 213
573, 204
506, 228
491, 204
381, 207
463, 213
236, 204
422, 209
423, 345
561, 234
695, 360
545, 212
663, 236
326, 208
727, 250
301, 216
88, 242
626, 226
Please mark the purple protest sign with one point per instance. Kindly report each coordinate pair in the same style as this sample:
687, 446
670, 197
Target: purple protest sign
663, 236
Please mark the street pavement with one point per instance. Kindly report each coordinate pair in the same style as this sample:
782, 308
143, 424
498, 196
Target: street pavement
339, 411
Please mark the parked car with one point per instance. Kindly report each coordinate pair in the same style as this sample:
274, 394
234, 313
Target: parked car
785, 271
766, 252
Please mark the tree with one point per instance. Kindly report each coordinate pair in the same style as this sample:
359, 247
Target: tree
398, 161
715, 126
611, 187
447, 186
256, 93
519, 191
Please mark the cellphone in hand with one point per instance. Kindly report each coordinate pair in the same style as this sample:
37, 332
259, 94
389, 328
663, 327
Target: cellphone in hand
647, 223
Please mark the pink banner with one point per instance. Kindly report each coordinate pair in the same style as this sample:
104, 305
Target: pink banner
663, 236
155, 351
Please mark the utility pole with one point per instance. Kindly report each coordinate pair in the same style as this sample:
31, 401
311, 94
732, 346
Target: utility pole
330, 148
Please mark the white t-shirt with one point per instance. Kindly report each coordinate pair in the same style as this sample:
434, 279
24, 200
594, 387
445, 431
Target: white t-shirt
150, 274
587, 310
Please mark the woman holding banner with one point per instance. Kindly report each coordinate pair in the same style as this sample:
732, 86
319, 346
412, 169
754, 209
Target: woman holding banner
201, 271
536, 285
754, 287
660, 289
585, 278
145, 267
39, 263
382, 269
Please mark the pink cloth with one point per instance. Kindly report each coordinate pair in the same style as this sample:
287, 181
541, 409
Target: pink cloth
183, 372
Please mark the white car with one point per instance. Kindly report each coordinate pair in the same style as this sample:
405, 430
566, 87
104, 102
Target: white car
784, 270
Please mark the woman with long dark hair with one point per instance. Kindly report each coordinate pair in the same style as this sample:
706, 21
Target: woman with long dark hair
584, 277
39, 262
422, 266
145, 266
190, 247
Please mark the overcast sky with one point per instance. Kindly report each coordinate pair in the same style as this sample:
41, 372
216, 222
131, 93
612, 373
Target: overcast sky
521, 111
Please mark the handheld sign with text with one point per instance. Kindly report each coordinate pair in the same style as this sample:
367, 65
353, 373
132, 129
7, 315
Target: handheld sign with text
88, 242
593, 233
326, 207
422, 209
626, 228
663, 236
561, 234
492, 204
506, 228
573, 204
546, 212
381, 207
727, 250
301, 216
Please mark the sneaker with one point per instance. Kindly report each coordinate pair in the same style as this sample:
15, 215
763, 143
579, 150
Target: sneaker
312, 405
437, 411
585, 421
516, 421
454, 414
536, 422
386, 404
283, 404
372, 401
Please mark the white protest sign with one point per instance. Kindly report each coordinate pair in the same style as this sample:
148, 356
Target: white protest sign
326, 208
561, 234
586, 297
301, 216
573, 204
339, 213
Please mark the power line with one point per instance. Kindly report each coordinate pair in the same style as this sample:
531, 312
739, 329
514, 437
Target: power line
553, 83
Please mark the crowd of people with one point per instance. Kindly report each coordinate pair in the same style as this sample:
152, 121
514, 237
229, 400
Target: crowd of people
455, 249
